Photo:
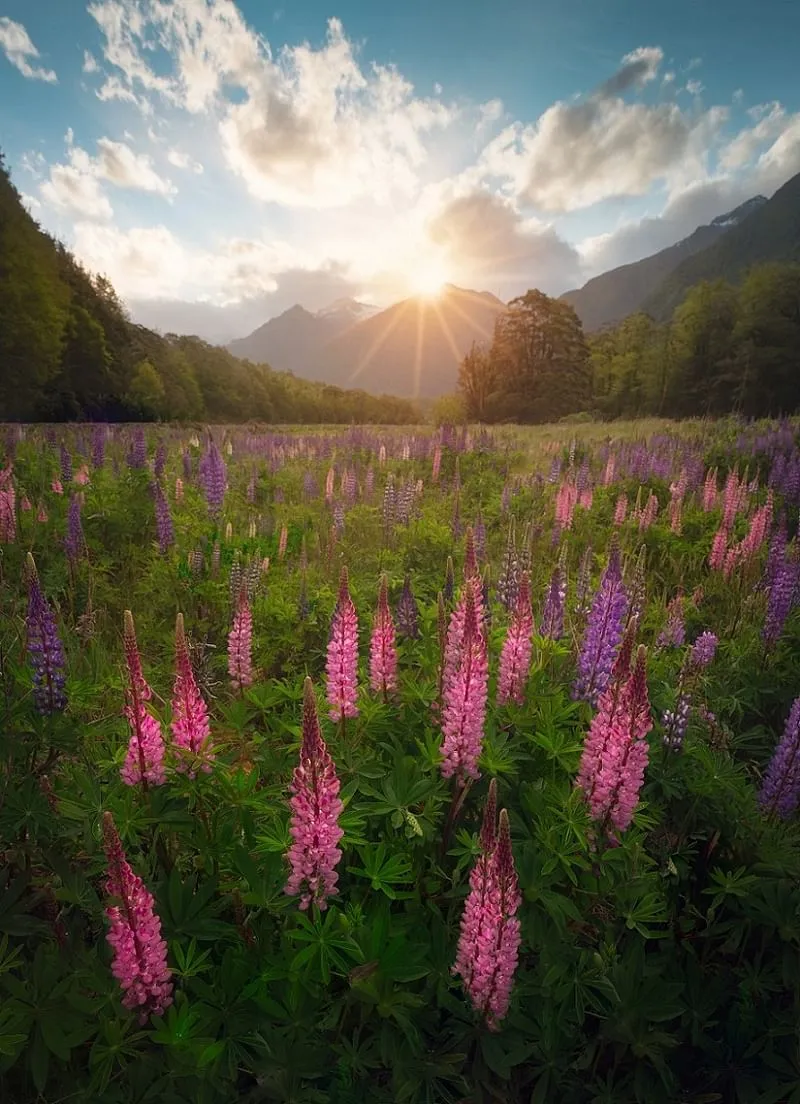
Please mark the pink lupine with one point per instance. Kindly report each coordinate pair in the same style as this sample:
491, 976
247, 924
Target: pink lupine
191, 729
732, 500
342, 663
56, 487
316, 808
140, 952
25, 504
586, 499
515, 658
710, 490
383, 647
615, 751
677, 494
240, 644
455, 629
649, 513
488, 946
41, 515
82, 475
719, 548
464, 698
608, 474
8, 508
621, 509
566, 500
144, 759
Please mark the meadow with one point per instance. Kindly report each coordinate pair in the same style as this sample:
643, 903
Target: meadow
400, 764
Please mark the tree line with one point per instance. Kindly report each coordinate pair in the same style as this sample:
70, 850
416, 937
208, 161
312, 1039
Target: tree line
725, 349
68, 350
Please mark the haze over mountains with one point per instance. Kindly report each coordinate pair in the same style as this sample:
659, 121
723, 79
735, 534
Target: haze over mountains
413, 348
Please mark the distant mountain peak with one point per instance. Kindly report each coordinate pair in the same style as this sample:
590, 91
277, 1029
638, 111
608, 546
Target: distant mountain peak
734, 217
346, 305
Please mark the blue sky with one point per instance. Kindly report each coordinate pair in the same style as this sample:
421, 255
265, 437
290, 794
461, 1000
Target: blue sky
220, 160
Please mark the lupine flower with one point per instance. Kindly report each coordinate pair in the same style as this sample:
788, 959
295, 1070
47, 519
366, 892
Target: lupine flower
507, 580
676, 722
703, 650
383, 647
780, 789
342, 662
41, 515
455, 523
99, 446
213, 476
448, 590
144, 759
82, 476
66, 465
615, 751
464, 695
316, 808
25, 504
140, 953
621, 509
779, 601
552, 621
582, 605
160, 460
164, 526
710, 490
488, 946
719, 548
56, 487
470, 557
407, 612
566, 500
191, 730
137, 456
604, 629
515, 658
74, 543
240, 644
45, 650
674, 632
8, 508
283, 538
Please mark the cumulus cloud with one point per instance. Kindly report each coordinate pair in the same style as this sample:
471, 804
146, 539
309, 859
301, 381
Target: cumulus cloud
75, 192
182, 160
580, 153
487, 240
303, 127
18, 48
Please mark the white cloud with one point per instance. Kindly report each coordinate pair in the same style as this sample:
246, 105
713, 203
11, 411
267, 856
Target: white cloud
18, 48
77, 192
182, 160
89, 62
306, 127
118, 164
602, 146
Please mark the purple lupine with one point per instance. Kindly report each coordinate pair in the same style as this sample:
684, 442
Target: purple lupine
605, 626
137, 454
780, 789
673, 634
676, 721
407, 613
45, 650
338, 517
66, 465
780, 600
74, 543
552, 622
703, 651
507, 580
316, 808
99, 446
449, 588
213, 476
164, 526
160, 460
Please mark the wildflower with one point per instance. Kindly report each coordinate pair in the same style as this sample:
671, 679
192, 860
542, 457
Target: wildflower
342, 661
464, 693
144, 759
407, 612
191, 730
515, 658
448, 590
552, 623
615, 751
674, 632
240, 644
488, 946
45, 649
213, 476
137, 455
140, 953
780, 790
676, 721
56, 487
164, 526
604, 629
74, 542
621, 509
383, 647
780, 599
316, 808
703, 650
508, 578
8, 508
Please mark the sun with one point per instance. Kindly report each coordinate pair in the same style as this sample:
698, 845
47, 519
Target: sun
428, 278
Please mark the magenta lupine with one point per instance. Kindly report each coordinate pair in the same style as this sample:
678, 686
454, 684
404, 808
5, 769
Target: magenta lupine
316, 808
719, 548
383, 647
342, 662
515, 657
488, 946
191, 729
455, 628
144, 759
604, 629
615, 751
464, 694
240, 644
140, 952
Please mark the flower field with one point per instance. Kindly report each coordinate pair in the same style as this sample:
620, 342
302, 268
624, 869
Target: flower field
400, 765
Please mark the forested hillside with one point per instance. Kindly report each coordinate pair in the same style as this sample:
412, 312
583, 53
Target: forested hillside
68, 350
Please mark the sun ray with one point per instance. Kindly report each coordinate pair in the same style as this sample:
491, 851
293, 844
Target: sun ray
377, 343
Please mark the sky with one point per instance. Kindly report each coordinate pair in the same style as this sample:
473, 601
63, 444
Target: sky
221, 160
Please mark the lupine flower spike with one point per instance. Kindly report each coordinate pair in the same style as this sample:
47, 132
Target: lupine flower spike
342, 663
240, 644
464, 694
144, 759
140, 953
383, 647
515, 658
191, 730
44, 647
488, 948
316, 808
604, 629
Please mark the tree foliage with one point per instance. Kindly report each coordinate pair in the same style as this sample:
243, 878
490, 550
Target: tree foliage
68, 350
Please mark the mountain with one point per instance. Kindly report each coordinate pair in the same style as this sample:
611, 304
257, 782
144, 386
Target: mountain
622, 291
770, 232
289, 341
411, 349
